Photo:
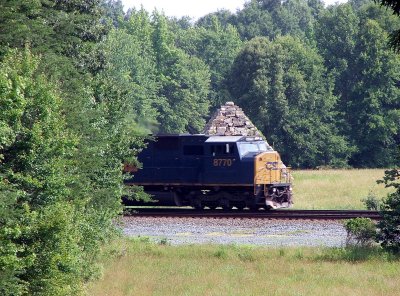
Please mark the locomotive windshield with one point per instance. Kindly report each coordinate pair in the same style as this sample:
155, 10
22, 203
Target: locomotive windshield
251, 147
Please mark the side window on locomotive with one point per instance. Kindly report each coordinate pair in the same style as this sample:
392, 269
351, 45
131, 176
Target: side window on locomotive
223, 149
193, 150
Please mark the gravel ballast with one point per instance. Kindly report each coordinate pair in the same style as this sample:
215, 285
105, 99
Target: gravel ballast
237, 231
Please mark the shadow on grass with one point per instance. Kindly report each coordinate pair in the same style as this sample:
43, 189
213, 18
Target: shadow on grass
356, 254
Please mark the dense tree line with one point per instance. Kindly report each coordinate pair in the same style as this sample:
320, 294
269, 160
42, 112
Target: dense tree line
354, 95
306, 136
83, 82
324, 90
321, 83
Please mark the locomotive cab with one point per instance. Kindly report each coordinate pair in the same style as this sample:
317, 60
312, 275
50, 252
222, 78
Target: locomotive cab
271, 178
222, 162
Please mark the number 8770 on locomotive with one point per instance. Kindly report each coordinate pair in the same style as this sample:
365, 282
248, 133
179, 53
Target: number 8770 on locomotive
213, 171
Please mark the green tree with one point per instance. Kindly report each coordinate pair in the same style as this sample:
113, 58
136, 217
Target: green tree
386, 20
395, 35
217, 46
252, 21
365, 73
284, 88
68, 169
317, 7
374, 106
389, 234
271, 18
223, 16
336, 35
131, 67
295, 18
113, 10
65, 34
184, 83
54, 28
40, 245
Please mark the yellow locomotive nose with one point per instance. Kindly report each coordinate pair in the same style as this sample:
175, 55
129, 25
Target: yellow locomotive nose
273, 178
268, 168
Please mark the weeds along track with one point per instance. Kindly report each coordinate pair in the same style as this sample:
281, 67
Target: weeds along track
273, 214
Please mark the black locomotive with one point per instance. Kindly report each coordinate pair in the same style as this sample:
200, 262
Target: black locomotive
213, 171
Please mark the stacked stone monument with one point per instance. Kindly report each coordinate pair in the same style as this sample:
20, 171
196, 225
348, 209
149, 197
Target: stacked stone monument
230, 120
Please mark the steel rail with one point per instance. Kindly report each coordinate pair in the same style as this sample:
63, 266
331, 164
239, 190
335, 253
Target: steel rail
273, 214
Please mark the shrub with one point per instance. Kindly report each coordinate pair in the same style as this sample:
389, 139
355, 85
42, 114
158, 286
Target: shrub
372, 202
360, 232
389, 226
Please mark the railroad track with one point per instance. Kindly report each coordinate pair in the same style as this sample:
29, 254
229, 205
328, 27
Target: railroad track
274, 214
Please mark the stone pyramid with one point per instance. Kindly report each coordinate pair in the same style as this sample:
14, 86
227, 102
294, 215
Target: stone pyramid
230, 120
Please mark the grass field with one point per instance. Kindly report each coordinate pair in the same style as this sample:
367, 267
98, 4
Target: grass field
144, 268
336, 189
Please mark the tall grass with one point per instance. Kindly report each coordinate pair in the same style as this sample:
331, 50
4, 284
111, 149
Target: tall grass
142, 268
336, 189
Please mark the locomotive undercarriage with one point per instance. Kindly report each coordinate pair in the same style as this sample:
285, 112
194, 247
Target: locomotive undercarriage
278, 196
216, 198
225, 197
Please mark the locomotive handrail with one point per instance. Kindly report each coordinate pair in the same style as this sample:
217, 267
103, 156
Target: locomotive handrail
285, 176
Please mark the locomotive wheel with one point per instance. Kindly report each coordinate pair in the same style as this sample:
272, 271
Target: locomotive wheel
252, 205
178, 199
197, 204
240, 208
224, 204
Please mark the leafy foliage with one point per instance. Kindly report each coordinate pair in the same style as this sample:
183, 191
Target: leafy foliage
389, 226
40, 245
217, 46
395, 35
360, 232
184, 83
371, 202
366, 72
131, 68
291, 97
63, 138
